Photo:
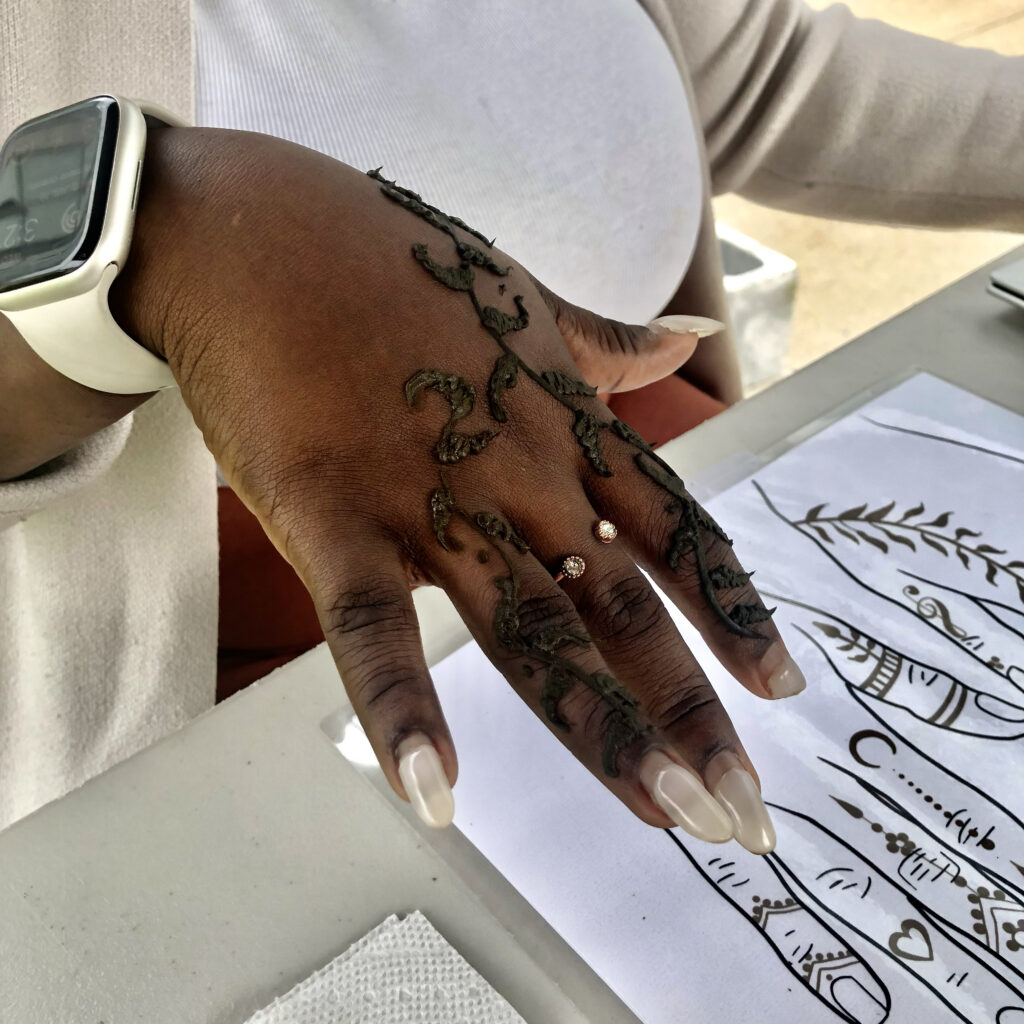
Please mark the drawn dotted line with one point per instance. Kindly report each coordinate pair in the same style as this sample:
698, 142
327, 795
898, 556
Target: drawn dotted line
928, 798
984, 842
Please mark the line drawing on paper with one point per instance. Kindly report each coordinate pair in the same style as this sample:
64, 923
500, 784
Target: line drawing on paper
892, 677
814, 953
943, 440
825, 548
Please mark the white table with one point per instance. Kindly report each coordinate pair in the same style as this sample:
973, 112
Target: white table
211, 872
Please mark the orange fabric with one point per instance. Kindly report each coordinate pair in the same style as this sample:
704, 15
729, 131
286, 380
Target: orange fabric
665, 409
266, 615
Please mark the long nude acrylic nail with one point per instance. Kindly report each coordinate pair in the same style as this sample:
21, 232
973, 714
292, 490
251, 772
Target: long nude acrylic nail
780, 673
682, 796
426, 785
737, 792
702, 326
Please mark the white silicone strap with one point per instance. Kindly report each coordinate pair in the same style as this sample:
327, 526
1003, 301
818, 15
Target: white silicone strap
67, 321
79, 337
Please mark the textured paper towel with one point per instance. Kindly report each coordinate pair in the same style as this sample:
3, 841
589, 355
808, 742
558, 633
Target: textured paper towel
403, 972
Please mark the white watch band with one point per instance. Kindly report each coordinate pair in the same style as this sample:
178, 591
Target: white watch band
67, 321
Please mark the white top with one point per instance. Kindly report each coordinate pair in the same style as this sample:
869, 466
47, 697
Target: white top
562, 128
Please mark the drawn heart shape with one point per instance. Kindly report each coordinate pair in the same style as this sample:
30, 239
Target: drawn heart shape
912, 943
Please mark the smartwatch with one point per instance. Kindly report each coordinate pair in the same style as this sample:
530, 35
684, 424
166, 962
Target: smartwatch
69, 185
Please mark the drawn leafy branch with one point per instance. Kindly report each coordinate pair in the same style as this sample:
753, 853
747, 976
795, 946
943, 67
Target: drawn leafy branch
883, 527
850, 641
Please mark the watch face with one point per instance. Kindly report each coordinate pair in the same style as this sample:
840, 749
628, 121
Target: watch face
54, 178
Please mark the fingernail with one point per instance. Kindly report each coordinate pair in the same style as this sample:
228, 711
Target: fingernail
781, 674
682, 796
702, 326
737, 792
426, 785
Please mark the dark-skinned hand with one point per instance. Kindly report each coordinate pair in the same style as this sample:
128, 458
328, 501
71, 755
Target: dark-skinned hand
399, 402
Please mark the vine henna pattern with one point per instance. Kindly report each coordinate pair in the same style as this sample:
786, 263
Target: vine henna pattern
693, 525
816, 954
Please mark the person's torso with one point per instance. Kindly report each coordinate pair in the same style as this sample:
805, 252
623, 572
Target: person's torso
562, 128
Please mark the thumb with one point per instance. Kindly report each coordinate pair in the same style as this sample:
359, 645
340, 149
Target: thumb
613, 356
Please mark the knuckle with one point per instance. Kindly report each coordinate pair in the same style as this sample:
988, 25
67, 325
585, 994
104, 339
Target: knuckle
370, 613
385, 688
548, 615
623, 609
684, 705
619, 338
587, 715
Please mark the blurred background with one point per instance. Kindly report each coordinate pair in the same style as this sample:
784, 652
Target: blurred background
886, 269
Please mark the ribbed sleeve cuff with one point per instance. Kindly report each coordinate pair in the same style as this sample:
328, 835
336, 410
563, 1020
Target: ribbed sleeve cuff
64, 475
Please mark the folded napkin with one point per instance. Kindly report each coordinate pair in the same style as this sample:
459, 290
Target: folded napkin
403, 972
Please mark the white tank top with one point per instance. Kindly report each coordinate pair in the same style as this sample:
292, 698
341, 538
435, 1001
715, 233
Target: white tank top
560, 126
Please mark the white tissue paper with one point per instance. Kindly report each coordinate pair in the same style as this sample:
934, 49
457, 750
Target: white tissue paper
403, 972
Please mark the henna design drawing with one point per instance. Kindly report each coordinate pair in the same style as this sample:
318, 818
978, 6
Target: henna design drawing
694, 525
884, 674
857, 524
897, 924
943, 440
983, 913
829, 550
985, 605
815, 954
971, 827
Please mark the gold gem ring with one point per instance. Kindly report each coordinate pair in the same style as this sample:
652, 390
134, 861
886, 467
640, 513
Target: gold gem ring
606, 531
572, 568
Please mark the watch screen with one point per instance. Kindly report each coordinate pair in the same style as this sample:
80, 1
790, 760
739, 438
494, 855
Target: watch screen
54, 178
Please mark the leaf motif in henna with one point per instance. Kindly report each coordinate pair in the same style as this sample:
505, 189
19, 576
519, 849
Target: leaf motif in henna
750, 614
495, 526
707, 522
415, 202
614, 692
459, 278
587, 428
500, 323
620, 731
550, 638
453, 446
504, 376
566, 385
628, 434
725, 578
459, 392
506, 614
461, 397
471, 254
442, 505
684, 539
557, 684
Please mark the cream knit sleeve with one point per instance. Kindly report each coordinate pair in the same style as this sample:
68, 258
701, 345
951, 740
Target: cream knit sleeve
63, 476
828, 114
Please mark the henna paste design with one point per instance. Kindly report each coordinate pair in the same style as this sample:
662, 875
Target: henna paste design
694, 524
461, 396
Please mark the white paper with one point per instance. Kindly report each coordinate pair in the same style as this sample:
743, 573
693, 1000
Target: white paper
896, 891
